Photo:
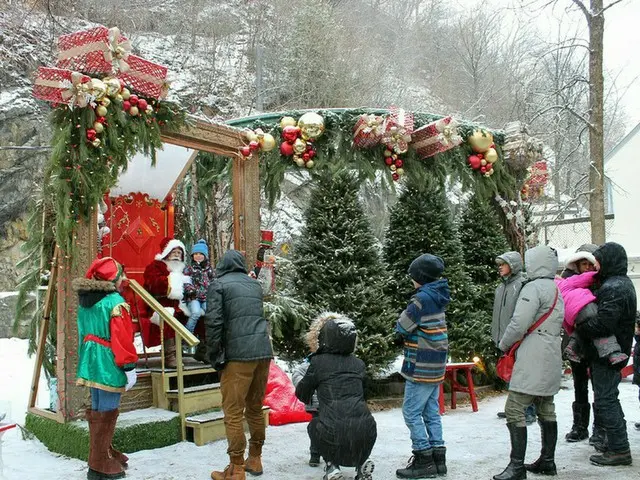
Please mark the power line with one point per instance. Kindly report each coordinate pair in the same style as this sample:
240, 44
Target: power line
12, 147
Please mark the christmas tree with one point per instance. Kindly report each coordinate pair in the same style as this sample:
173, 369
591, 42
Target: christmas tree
338, 267
421, 222
483, 239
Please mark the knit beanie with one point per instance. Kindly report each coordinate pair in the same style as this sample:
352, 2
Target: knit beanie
426, 268
200, 247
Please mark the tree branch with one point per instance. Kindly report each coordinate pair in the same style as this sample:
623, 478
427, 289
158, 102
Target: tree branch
609, 6
562, 107
584, 9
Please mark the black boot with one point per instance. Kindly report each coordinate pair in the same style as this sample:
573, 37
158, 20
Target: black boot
421, 465
579, 430
545, 465
440, 459
610, 459
515, 470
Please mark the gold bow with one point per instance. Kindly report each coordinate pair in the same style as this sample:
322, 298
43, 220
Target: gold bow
74, 92
119, 50
448, 132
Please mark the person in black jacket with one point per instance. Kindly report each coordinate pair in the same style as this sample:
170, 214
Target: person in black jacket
636, 360
344, 430
240, 348
617, 305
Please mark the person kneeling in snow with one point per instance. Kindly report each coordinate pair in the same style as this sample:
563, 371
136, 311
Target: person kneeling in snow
344, 430
106, 360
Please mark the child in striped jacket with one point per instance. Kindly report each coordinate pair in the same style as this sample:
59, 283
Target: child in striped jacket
423, 331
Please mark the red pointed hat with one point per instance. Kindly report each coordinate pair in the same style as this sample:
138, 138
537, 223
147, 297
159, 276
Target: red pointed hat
105, 269
266, 238
167, 244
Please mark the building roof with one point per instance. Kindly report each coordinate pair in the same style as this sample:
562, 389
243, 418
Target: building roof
611, 153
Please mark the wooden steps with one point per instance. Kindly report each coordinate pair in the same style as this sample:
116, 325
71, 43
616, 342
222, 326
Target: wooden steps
201, 389
209, 427
197, 398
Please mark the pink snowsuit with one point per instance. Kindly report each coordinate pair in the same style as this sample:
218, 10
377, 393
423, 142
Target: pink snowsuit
576, 295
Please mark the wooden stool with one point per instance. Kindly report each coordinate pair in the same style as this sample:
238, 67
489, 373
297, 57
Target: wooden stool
450, 375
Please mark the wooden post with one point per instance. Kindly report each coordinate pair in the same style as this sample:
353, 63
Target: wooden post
246, 206
72, 397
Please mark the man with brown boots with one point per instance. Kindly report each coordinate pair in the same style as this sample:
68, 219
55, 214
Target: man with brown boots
239, 347
106, 361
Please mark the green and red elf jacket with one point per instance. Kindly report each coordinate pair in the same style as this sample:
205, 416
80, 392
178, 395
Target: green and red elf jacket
105, 335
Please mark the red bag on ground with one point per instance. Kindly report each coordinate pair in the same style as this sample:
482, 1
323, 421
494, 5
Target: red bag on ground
281, 398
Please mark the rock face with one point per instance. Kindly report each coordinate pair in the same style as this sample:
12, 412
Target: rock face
7, 309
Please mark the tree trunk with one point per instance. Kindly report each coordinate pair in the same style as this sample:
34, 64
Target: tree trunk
596, 118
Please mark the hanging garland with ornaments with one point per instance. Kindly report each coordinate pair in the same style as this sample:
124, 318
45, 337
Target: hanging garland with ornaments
107, 107
353, 139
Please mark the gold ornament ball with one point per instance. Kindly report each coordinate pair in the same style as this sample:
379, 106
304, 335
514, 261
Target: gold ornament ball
267, 142
487, 174
393, 168
113, 86
287, 122
125, 93
101, 110
96, 142
134, 111
98, 89
480, 140
387, 153
299, 146
299, 161
98, 127
105, 101
252, 136
483, 162
149, 109
118, 98
491, 155
400, 171
311, 125
309, 164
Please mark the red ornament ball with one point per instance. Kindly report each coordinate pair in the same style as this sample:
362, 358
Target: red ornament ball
102, 120
474, 162
312, 153
133, 99
480, 156
254, 146
483, 169
142, 104
388, 160
399, 163
290, 133
245, 151
126, 105
286, 149
306, 157
395, 177
91, 134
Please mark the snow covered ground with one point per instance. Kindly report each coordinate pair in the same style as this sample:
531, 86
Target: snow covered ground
477, 443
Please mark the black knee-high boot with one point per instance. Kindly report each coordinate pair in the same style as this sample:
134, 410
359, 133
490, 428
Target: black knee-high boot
515, 470
546, 464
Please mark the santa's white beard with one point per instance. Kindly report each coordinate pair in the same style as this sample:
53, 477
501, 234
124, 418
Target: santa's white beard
175, 265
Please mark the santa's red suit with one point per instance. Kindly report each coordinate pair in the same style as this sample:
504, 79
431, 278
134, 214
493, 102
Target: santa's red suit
165, 281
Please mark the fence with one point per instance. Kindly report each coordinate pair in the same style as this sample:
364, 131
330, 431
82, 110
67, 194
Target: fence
570, 232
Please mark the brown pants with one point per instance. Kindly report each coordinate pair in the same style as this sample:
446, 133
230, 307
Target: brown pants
243, 385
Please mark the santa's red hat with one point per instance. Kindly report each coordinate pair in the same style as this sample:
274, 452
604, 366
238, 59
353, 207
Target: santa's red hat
167, 244
105, 269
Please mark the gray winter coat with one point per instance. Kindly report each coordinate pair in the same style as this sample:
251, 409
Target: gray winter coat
297, 375
538, 365
506, 295
235, 324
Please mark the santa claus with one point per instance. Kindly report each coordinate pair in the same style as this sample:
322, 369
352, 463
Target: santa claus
164, 279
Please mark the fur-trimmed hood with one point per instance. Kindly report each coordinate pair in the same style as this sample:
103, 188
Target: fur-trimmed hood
92, 291
571, 262
332, 332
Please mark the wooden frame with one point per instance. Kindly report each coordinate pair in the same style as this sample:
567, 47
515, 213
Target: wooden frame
215, 138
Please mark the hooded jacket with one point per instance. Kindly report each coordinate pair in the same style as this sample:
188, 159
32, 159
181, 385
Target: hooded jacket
424, 328
616, 300
345, 428
234, 320
576, 294
538, 366
506, 295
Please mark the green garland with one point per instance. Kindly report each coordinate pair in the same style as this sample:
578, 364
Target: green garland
80, 173
335, 150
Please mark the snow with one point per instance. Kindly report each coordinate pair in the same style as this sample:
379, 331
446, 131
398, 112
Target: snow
477, 443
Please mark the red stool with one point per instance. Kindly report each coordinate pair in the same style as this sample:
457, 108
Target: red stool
451, 376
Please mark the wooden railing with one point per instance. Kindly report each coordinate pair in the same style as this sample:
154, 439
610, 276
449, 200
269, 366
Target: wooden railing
181, 334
